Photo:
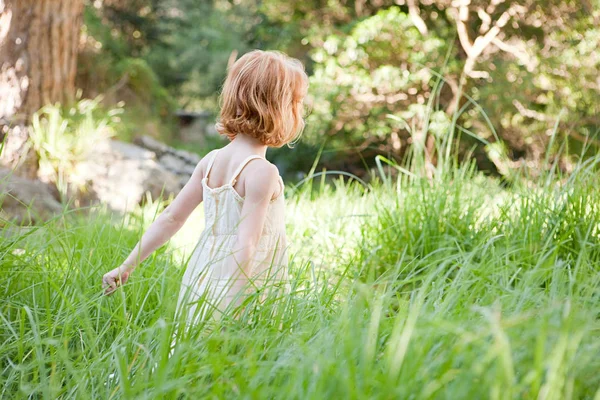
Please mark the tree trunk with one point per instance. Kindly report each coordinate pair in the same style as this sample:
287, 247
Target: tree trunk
38, 61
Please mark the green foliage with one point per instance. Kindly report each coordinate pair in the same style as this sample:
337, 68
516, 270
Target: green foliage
188, 43
63, 136
143, 81
557, 82
372, 60
111, 65
380, 67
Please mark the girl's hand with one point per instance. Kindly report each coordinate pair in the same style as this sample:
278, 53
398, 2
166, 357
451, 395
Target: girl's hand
112, 279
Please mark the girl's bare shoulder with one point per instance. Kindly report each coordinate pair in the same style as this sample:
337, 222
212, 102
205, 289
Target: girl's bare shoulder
262, 174
202, 166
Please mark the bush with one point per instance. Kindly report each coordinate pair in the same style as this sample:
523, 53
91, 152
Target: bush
62, 136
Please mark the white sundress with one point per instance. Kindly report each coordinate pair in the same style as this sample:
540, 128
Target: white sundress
210, 284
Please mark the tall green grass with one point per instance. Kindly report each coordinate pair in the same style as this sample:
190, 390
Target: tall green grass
451, 288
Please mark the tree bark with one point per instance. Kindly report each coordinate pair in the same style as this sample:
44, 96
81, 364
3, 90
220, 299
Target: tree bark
38, 61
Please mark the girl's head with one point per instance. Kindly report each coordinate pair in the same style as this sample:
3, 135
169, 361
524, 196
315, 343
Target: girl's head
263, 98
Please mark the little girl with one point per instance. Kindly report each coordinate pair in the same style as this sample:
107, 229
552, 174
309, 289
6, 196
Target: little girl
243, 242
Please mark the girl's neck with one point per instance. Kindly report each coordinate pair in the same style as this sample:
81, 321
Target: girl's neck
242, 140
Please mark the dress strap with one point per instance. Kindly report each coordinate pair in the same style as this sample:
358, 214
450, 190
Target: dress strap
210, 163
241, 167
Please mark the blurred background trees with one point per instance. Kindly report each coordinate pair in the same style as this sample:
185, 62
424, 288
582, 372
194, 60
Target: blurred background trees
38, 59
386, 75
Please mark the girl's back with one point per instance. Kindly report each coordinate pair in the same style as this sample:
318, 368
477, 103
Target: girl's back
235, 162
210, 274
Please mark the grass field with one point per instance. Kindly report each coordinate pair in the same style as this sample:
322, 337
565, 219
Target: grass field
454, 288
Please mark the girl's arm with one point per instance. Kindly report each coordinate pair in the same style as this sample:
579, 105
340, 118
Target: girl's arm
252, 220
161, 230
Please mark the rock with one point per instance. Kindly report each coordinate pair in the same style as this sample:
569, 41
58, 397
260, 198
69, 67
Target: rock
179, 162
119, 174
146, 142
176, 166
25, 201
114, 173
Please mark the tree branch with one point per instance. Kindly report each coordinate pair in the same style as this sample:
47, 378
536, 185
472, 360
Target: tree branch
485, 19
527, 113
483, 41
475, 49
415, 15
519, 54
461, 17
